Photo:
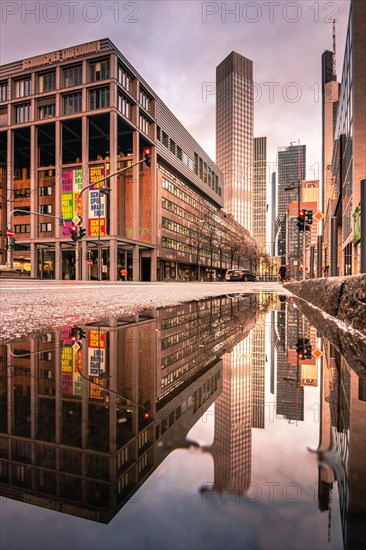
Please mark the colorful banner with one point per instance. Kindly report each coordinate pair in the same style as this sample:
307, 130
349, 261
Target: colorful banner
96, 173
72, 184
96, 352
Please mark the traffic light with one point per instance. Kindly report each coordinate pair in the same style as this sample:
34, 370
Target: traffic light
307, 349
74, 232
82, 232
309, 219
301, 220
300, 349
147, 153
77, 335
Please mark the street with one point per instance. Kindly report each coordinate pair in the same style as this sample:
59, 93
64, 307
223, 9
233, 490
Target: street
29, 306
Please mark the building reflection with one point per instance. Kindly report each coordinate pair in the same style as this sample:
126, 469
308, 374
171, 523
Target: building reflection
342, 445
342, 416
82, 429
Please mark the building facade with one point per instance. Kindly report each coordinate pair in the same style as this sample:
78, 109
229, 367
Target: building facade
234, 134
349, 153
260, 191
83, 116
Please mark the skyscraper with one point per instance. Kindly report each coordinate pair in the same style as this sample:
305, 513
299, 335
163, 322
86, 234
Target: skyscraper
234, 134
327, 195
291, 169
259, 191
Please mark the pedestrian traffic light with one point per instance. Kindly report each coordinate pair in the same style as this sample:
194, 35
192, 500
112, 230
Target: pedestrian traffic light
74, 232
82, 232
300, 349
309, 219
147, 153
301, 220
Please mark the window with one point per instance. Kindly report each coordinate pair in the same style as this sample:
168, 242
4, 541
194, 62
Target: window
22, 228
124, 106
45, 191
72, 76
144, 100
72, 103
124, 78
3, 116
3, 91
21, 193
22, 113
46, 111
22, 87
47, 82
45, 209
144, 125
99, 70
45, 227
98, 99
26, 208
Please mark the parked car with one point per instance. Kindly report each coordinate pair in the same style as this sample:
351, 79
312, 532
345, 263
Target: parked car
233, 275
248, 275
240, 275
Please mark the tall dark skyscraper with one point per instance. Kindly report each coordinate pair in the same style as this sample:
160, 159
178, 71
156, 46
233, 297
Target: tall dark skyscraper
234, 134
291, 167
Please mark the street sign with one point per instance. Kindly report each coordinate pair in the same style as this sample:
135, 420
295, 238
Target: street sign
76, 347
90, 262
76, 220
318, 216
10, 233
317, 353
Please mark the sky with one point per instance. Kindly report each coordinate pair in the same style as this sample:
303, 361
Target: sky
176, 46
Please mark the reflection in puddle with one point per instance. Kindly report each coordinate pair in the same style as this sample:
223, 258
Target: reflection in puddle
88, 413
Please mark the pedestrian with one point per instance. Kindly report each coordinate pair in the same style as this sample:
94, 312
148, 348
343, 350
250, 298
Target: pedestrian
326, 269
282, 273
123, 273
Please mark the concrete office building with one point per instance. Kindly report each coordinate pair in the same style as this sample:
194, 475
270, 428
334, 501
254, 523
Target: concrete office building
75, 116
234, 134
349, 153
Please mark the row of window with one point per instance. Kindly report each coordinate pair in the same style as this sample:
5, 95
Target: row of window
178, 228
98, 99
178, 337
25, 228
46, 82
177, 210
198, 166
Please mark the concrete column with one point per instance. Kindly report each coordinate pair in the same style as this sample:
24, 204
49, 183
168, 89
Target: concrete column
333, 246
58, 393
10, 179
57, 201
34, 361
85, 196
113, 200
34, 202
136, 263
135, 183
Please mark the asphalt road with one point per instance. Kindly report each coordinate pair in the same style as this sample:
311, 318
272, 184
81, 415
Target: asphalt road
29, 306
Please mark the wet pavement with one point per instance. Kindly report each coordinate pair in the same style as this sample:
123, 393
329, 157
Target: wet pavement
229, 422
29, 306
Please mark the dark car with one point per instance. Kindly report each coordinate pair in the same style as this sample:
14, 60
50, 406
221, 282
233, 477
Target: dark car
248, 275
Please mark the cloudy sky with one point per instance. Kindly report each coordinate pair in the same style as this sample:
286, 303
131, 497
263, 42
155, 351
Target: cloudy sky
176, 46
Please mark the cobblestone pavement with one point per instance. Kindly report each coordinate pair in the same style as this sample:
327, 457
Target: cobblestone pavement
30, 306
